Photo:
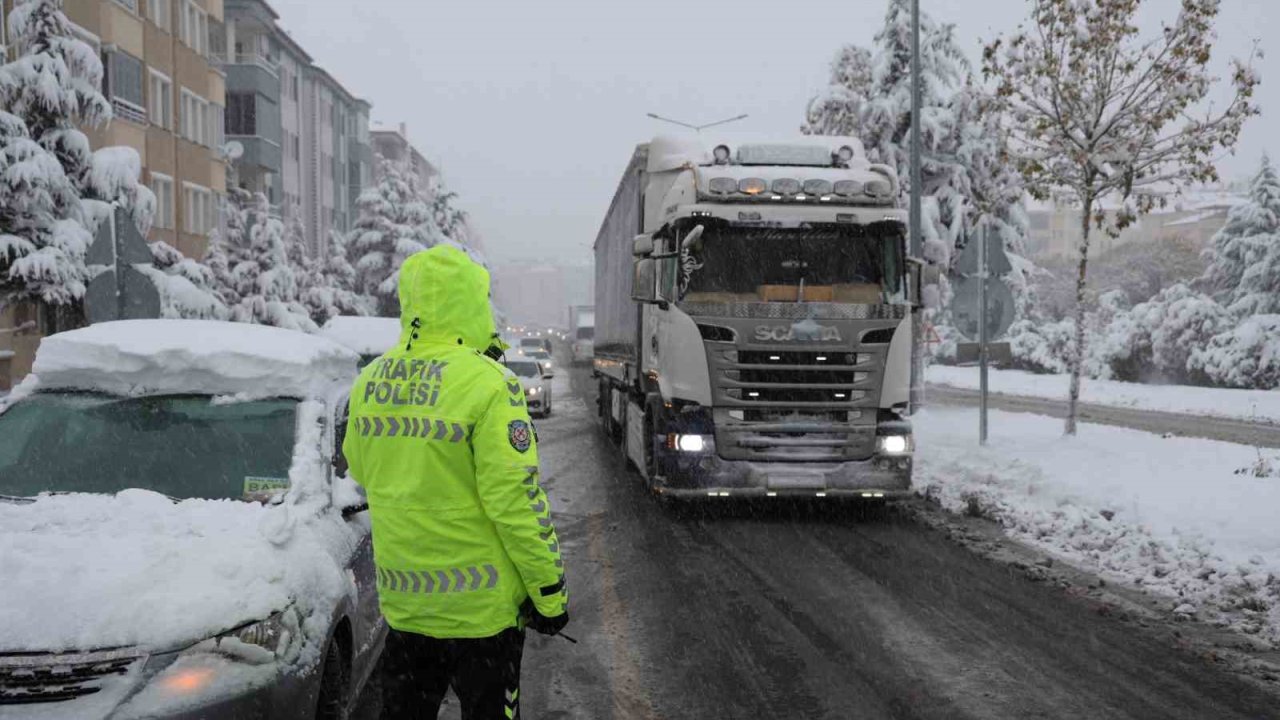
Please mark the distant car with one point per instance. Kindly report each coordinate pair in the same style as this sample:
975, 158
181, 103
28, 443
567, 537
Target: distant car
582, 349
542, 356
536, 380
369, 337
176, 542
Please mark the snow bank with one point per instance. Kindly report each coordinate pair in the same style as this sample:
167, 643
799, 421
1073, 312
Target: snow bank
364, 335
1259, 405
192, 356
1173, 516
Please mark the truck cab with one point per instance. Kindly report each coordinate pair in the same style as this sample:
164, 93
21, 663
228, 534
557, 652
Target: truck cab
765, 345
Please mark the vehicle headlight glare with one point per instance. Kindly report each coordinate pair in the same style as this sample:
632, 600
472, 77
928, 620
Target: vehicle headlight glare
691, 443
723, 186
894, 444
752, 186
533, 391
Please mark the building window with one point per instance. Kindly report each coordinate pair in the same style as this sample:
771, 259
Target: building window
122, 82
194, 119
162, 186
198, 206
297, 148
132, 5
161, 101
193, 26
294, 91
241, 114
161, 13
217, 134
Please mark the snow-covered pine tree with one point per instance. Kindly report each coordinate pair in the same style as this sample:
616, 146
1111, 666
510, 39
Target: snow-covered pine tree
449, 219
250, 267
54, 84
340, 279
186, 286
1244, 259
113, 177
394, 223
838, 111
1095, 109
42, 235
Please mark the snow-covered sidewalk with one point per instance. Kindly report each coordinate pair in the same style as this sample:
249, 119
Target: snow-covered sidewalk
1176, 516
1257, 405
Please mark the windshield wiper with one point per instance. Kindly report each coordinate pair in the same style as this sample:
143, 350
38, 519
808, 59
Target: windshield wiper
17, 500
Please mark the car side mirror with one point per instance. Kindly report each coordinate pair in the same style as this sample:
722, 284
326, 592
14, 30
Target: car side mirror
548, 376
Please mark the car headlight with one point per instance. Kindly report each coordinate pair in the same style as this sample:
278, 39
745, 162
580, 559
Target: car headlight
533, 391
893, 444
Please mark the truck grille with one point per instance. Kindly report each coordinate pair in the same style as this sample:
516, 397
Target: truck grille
31, 678
810, 405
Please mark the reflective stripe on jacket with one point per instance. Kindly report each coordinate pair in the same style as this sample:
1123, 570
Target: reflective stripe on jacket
440, 438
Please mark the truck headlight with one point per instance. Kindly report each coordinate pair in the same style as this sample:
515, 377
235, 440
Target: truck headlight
893, 444
690, 443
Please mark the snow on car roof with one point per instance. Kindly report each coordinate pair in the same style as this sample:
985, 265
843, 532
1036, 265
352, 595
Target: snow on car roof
131, 357
365, 335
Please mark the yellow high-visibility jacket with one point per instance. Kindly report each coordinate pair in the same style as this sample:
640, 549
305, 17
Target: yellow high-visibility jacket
440, 438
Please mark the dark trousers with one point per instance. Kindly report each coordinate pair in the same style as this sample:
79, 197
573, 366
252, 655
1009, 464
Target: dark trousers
484, 673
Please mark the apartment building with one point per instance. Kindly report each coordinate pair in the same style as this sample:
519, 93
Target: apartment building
168, 103
392, 143
305, 136
1193, 214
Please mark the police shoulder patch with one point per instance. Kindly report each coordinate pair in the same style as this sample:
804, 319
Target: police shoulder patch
520, 435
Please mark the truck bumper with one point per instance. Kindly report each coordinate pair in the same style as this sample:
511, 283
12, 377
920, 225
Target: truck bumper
702, 476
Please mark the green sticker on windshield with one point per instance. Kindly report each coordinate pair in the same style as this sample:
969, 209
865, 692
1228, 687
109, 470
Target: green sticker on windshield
261, 488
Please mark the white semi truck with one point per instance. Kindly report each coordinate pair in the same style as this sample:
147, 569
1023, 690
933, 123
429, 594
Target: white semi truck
582, 327
753, 319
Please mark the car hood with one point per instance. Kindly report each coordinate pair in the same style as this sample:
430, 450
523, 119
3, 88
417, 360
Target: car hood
530, 382
84, 572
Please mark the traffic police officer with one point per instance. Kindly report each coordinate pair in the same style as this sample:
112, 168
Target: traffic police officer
466, 552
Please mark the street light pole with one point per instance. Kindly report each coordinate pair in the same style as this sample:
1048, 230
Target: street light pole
916, 393
698, 128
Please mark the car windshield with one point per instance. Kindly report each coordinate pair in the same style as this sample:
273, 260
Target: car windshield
536, 353
524, 368
530, 342
181, 446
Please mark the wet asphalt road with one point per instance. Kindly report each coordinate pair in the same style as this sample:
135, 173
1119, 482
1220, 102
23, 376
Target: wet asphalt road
786, 613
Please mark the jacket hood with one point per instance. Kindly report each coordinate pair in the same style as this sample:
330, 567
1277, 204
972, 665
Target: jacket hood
444, 300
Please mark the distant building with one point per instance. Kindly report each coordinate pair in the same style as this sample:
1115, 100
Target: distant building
306, 137
533, 293
1196, 215
393, 144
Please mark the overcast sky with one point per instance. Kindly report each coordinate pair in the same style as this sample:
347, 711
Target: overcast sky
532, 108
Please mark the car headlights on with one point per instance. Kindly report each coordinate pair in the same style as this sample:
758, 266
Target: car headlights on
533, 391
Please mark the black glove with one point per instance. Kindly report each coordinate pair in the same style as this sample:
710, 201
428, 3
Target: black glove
543, 624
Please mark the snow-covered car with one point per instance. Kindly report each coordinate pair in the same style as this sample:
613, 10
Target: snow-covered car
369, 337
536, 380
174, 540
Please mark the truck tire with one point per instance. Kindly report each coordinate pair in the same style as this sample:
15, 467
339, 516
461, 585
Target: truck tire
654, 423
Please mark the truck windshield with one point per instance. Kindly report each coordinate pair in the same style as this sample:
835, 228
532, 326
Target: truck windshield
586, 333
181, 446
828, 264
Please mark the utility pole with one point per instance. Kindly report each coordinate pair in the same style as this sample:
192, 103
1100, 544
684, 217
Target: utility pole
984, 267
916, 394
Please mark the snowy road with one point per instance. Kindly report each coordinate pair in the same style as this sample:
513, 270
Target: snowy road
1259, 434
790, 615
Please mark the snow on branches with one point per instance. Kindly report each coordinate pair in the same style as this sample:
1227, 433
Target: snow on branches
1092, 107
395, 222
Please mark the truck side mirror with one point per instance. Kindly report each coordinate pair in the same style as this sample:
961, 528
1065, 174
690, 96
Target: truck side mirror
644, 287
642, 246
693, 240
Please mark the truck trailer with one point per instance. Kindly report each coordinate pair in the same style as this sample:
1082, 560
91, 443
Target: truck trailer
753, 319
